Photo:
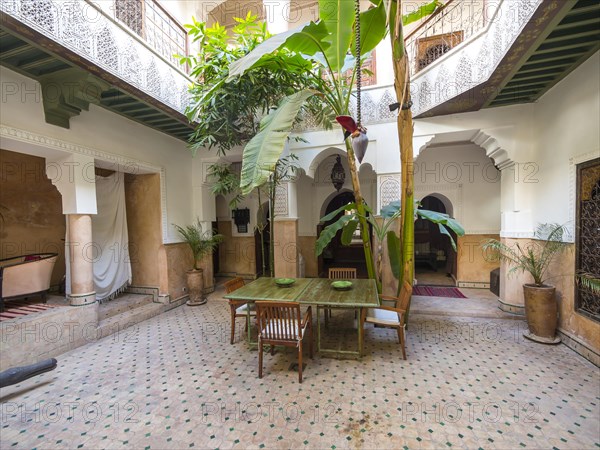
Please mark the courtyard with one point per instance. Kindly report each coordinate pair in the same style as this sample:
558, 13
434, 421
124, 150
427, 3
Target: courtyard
174, 381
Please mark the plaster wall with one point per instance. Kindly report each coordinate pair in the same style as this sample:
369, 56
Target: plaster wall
142, 199
237, 254
474, 265
465, 176
116, 143
286, 248
31, 208
567, 133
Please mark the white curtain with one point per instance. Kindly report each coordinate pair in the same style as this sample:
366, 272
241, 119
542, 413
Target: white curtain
110, 248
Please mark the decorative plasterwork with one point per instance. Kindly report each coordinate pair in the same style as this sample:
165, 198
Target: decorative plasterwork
281, 200
86, 30
493, 150
119, 162
573, 162
375, 108
475, 62
389, 189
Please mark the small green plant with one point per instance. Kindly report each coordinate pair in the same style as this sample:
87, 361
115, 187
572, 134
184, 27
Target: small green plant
535, 258
201, 242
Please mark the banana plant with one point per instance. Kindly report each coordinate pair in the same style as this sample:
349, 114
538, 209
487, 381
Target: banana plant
328, 45
382, 230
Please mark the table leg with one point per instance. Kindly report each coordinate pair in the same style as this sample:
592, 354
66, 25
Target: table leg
251, 345
318, 331
360, 333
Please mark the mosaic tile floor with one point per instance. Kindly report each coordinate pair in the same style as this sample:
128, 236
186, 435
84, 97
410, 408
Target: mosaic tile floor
175, 382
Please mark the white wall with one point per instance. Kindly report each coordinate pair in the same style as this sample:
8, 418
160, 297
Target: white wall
468, 178
102, 132
545, 140
567, 130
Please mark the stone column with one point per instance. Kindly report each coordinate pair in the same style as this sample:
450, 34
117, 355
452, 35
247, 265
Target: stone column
74, 176
286, 231
81, 257
517, 227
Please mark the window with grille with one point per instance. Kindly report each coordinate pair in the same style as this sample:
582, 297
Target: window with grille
432, 48
151, 22
588, 236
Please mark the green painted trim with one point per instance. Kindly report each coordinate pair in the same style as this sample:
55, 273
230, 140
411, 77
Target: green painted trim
564, 10
565, 73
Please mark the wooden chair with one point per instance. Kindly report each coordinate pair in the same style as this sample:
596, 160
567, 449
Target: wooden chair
392, 316
281, 323
339, 273
239, 308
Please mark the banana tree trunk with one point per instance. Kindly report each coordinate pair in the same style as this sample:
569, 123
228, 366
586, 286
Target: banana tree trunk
362, 214
405, 135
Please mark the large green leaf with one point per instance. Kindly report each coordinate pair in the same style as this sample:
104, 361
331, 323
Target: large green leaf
338, 17
348, 232
306, 39
373, 28
420, 13
444, 230
393, 244
262, 152
390, 210
330, 231
443, 219
309, 39
333, 214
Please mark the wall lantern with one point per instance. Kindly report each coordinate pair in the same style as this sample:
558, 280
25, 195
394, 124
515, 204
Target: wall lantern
338, 175
241, 218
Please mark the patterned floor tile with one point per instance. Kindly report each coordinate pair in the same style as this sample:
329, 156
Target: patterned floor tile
174, 381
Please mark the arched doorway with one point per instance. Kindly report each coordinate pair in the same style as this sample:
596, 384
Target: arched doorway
336, 254
435, 259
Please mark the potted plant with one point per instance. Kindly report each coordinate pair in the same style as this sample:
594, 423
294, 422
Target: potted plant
541, 309
201, 243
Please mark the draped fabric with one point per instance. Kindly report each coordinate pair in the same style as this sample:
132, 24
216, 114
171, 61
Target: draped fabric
110, 249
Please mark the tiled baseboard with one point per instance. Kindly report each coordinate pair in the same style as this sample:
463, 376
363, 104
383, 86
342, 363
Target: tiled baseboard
514, 309
579, 347
473, 284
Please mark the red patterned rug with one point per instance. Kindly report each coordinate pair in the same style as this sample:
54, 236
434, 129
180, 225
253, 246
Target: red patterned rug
20, 308
434, 291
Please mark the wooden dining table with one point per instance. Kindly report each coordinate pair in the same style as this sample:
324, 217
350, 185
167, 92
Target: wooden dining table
317, 292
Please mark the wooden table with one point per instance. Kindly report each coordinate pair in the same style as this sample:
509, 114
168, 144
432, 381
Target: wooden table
362, 295
318, 292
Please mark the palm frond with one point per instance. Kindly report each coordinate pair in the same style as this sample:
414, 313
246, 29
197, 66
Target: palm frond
589, 282
536, 257
201, 242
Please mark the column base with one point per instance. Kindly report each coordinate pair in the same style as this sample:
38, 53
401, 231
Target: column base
82, 299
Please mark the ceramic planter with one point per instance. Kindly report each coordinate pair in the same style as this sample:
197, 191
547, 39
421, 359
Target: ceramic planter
541, 311
195, 283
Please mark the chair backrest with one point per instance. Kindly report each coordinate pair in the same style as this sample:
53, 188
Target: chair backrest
234, 284
342, 273
402, 302
279, 321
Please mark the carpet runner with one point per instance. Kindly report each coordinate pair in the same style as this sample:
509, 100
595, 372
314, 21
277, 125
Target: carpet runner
20, 308
435, 291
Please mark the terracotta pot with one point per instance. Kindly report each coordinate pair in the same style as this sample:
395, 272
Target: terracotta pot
541, 311
195, 283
